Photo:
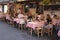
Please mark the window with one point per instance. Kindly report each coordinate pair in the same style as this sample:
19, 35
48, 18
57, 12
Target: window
5, 8
0, 7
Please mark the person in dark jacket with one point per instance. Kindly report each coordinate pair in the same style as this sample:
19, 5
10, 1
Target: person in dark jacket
48, 19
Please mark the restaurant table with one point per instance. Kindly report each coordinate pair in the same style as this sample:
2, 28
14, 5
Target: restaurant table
1, 15
16, 20
8, 18
34, 25
19, 21
58, 33
54, 21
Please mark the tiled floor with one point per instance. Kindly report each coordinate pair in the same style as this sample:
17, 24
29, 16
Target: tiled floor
7, 32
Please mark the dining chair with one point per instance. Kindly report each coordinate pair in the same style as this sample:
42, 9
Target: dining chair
48, 31
39, 31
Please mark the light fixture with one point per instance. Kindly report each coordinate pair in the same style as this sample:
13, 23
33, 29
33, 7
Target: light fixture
26, 6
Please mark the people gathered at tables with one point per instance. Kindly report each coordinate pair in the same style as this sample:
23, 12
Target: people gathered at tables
37, 21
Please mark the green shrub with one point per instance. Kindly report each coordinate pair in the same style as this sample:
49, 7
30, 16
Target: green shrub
46, 2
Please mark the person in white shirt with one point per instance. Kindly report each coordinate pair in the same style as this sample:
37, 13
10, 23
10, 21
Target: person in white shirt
21, 17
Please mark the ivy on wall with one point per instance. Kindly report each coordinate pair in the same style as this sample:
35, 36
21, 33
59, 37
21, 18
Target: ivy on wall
58, 0
46, 2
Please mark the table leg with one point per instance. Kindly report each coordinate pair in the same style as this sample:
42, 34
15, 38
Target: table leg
21, 26
31, 31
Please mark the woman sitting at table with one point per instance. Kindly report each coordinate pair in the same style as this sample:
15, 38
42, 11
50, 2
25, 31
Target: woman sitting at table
15, 19
8, 19
42, 22
50, 25
48, 19
55, 26
38, 17
58, 35
15, 15
25, 18
55, 20
21, 17
29, 16
34, 19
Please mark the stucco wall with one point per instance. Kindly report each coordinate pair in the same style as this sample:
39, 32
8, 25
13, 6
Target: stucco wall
55, 12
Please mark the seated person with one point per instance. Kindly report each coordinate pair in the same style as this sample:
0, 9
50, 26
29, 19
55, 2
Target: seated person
50, 25
48, 19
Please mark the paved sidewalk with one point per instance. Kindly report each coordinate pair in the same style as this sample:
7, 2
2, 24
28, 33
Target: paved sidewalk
7, 32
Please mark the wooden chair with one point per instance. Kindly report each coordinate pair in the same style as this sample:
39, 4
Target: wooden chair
48, 31
21, 26
8, 21
39, 31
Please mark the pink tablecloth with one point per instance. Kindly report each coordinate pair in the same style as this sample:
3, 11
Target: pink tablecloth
20, 20
34, 24
1, 15
58, 33
8, 18
16, 20
54, 22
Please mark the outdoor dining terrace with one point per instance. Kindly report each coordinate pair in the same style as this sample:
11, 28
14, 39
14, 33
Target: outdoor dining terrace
33, 28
